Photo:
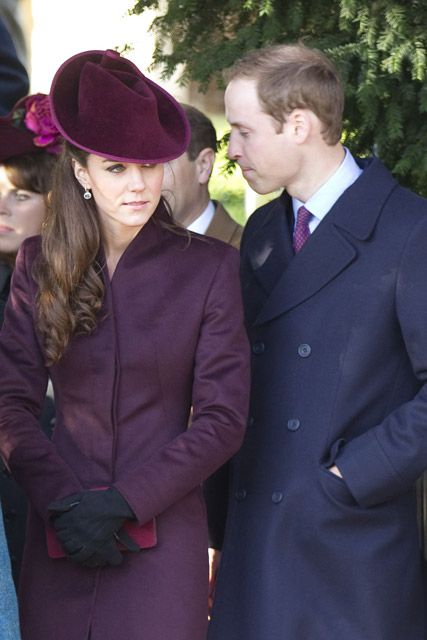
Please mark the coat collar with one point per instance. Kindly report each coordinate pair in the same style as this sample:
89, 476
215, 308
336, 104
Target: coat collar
144, 244
289, 280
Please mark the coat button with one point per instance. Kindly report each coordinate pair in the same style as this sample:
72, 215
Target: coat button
258, 347
293, 424
240, 494
251, 421
276, 497
304, 350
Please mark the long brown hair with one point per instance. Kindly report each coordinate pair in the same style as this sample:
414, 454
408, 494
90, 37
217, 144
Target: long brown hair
69, 278
70, 286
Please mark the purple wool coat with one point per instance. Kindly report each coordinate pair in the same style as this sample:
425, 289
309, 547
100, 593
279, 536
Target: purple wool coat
171, 337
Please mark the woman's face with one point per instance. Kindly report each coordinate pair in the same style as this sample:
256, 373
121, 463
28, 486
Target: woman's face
126, 193
21, 214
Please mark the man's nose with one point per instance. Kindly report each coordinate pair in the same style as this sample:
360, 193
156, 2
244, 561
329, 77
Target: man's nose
233, 151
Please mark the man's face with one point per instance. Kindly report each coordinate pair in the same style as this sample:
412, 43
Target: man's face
268, 157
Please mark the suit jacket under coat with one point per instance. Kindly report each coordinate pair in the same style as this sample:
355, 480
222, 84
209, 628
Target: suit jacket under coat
224, 228
339, 362
172, 336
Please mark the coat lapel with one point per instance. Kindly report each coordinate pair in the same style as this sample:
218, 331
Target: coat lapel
330, 249
270, 249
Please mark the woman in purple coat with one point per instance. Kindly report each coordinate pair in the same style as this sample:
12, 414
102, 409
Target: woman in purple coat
136, 322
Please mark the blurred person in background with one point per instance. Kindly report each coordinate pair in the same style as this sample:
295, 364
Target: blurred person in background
29, 146
186, 184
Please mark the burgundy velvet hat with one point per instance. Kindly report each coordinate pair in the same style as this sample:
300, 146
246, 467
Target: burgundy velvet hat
28, 128
103, 104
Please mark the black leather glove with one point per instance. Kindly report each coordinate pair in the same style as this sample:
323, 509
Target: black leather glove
88, 526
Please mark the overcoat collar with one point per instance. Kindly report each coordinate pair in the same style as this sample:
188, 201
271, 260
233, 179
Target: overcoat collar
290, 279
145, 244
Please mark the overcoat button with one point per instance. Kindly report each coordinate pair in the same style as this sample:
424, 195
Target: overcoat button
304, 350
251, 421
258, 347
277, 497
293, 424
240, 494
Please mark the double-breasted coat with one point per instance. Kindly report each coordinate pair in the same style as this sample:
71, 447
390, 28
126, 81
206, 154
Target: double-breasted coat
170, 336
339, 375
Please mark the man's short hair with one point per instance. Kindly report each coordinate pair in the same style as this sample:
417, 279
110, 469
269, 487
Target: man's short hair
295, 77
203, 134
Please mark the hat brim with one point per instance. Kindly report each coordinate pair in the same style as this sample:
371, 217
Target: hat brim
114, 127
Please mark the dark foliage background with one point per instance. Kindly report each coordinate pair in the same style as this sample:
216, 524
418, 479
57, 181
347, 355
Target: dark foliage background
378, 46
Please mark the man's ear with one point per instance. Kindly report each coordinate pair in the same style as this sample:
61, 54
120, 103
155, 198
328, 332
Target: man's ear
300, 123
204, 164
81, 174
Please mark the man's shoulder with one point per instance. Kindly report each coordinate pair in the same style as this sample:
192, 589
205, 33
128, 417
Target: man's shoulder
266, 212
224, 227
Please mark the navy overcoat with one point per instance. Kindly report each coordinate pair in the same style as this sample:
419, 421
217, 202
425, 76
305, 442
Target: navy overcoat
171, 337
339, 352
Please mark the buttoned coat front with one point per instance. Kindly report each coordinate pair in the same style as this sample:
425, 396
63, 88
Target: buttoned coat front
339, 349
170, 336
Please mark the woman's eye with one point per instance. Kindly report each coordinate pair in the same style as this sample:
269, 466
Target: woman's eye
115, 168
21, 196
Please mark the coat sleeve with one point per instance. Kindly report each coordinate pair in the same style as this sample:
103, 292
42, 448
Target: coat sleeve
387, 459
220, 405
26, 450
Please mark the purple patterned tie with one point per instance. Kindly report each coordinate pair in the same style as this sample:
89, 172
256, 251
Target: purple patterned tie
301, 231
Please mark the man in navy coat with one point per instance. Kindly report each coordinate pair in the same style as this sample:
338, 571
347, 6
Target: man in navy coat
321, 539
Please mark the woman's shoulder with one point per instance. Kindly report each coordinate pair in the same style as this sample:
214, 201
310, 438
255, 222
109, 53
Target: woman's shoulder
31, 246
201, 258
200, 245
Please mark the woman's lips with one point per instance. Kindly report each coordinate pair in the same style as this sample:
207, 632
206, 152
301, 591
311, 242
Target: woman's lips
136, 203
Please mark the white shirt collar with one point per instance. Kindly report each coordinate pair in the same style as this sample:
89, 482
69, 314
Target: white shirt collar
323, 200
201, 224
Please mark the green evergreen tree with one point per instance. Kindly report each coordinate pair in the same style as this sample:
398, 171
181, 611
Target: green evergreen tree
379, 47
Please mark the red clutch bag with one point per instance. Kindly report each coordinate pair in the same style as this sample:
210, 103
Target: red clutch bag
145, 536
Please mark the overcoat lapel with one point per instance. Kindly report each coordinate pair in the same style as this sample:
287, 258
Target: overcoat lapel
270, 249
329, 251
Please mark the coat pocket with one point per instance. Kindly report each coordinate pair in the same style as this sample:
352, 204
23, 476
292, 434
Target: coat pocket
336, 488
